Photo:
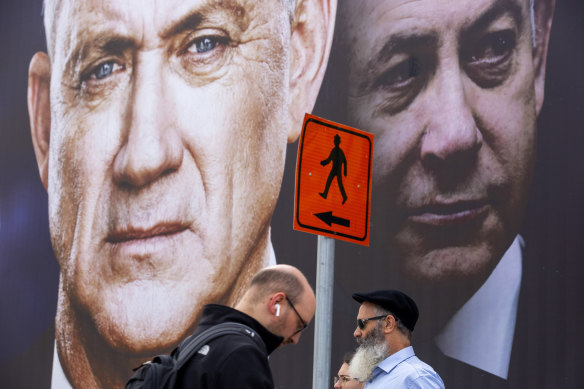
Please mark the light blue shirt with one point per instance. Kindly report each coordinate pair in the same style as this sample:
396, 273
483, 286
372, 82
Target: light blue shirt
404, 370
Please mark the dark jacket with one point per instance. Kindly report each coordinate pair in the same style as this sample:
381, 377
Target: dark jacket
232, 361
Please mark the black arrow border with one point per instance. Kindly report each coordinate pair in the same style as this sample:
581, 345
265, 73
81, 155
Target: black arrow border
297, 203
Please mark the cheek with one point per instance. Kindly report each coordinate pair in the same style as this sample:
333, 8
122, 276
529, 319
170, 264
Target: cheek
64, 194
508, 120
79, 164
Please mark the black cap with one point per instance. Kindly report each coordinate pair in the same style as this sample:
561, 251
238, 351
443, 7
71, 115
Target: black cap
395, 301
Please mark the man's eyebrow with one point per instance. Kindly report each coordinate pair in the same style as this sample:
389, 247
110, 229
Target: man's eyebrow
495, 11
102, 43
401, 43
191, 20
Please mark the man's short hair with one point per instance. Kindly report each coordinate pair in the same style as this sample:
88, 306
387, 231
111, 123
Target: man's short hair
272, 280
400, 325
51, 13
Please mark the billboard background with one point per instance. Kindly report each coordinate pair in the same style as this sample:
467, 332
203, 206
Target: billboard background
552, 228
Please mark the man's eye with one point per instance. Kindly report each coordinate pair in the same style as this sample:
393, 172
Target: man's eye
104, 70
400, 75
205, 44
488, 62
493, 48
399, 85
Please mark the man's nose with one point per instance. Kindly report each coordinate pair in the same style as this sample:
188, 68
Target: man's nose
151, 145
337, 385
295, 338
357, 333
452, 133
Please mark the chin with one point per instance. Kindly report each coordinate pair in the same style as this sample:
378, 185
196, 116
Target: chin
145, 317
451, 266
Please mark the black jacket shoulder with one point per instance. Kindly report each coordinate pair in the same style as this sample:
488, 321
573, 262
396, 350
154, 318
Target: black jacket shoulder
230, 361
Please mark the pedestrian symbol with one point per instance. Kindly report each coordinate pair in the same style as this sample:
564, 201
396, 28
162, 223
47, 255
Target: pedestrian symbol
333, 180
337, 157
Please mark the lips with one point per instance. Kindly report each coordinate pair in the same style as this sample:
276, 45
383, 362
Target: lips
453, 213
132, 233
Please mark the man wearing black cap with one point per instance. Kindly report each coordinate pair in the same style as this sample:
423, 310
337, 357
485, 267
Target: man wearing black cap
385, 357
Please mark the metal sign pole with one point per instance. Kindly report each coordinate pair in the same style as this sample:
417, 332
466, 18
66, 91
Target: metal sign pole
324, 313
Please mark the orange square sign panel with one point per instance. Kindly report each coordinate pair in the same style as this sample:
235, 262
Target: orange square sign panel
333, 180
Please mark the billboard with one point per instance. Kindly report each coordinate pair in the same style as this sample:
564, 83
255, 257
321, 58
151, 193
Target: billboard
476, 191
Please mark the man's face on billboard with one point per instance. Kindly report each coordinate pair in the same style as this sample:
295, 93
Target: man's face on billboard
168, 136
448, 89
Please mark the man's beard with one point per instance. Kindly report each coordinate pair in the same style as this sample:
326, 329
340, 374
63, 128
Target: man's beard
372, 350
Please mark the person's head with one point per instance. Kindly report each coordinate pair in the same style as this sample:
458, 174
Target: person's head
395, 315
281, 299
385, 322
343, 379
451, 90
160, 131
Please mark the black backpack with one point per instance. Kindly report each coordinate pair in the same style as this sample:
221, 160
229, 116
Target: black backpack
161, 371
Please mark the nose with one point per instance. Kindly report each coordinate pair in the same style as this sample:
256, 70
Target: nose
337, 385
295, 338
452, 134
151, 144
357, 333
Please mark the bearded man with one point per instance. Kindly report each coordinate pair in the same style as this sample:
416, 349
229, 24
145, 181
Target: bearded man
385, 357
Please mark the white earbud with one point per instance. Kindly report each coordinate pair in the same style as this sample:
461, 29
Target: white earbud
277, 309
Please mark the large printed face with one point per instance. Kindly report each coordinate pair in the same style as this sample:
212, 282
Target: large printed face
168, 136
447, 87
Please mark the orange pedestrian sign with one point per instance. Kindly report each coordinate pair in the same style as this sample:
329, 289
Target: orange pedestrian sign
333, 180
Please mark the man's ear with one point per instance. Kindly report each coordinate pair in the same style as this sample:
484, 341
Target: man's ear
39, 111
543, 12
389, 324
310, 42
275, 299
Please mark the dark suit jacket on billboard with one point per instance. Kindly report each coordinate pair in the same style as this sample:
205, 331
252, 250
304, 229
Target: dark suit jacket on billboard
32, 368
539, 357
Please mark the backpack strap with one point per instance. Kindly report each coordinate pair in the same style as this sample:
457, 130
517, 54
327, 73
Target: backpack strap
192, 344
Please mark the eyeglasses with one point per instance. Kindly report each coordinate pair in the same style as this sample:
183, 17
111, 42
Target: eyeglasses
343, 379
304, 325
361, 323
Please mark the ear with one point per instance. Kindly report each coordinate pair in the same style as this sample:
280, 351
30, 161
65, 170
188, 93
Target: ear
389, 324
543, 11
310, 42
276, 298
39, 111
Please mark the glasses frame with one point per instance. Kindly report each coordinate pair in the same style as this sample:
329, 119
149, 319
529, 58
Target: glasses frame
343, 379
304, 324
362, 323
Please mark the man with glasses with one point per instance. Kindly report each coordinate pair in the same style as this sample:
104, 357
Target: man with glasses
343, 379
385, 357
278, 305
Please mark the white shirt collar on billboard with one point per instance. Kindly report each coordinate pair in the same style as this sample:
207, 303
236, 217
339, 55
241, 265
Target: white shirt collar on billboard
481, 332
58, 378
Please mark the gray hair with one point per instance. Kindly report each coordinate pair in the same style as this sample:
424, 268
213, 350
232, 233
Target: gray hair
400, 325
51, 9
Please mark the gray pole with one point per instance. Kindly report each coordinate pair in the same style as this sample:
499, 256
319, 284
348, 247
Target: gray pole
325, 270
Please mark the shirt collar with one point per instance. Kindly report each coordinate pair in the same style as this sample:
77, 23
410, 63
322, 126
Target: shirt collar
389, 363
58, 378
481, 332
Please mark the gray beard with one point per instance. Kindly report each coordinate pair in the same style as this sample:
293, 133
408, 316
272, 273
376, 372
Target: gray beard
370, 353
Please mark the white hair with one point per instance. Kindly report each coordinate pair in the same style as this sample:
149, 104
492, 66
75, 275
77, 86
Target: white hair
370, 353
51, 8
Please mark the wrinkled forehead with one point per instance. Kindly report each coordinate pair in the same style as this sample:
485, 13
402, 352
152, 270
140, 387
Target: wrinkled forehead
421, 16
65, 20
